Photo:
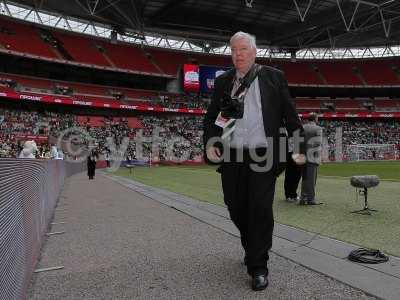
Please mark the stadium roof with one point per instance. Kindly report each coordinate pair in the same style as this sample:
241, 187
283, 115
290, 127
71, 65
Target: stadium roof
287, 25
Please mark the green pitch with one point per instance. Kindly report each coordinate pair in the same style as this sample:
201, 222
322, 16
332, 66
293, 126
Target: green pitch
333, 218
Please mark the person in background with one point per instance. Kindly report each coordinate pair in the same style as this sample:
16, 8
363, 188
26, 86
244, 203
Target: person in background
60, 155
107, 158
91, 164
53, 152
313, 145
292, 175
29, 150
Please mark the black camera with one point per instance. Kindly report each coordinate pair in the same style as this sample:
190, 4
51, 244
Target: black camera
232, 107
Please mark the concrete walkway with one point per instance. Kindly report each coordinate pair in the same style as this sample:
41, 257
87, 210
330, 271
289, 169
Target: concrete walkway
125, 240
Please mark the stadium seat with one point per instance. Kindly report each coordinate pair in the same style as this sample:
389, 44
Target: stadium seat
14, 36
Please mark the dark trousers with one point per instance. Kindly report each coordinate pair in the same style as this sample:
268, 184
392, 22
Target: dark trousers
91, 169
308, 182
292, 177
249, 197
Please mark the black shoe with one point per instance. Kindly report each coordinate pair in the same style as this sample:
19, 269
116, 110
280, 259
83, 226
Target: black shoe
292, 200
309, 202
313, 202
259, 282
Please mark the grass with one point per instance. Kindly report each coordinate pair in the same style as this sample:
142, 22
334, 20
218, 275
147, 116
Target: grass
389, 170
333, 189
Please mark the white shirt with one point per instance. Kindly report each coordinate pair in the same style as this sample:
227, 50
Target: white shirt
249, 131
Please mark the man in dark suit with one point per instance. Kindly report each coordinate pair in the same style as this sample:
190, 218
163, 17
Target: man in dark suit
250, 154
313, 146
91, 164
292, 175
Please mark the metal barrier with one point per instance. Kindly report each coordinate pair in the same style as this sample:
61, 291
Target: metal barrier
29, 191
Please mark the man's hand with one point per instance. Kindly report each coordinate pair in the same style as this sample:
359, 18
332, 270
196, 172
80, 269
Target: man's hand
214, 154
299, 159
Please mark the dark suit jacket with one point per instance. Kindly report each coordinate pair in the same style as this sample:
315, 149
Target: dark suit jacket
278, 109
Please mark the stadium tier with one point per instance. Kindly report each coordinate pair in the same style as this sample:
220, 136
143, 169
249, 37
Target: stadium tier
308, 104
74, 47
82, 49
13, 36
30, 83
97, 93
87, 89
380, 72
175, 135
386, 105
299, 72
339, 73
182, 134
127, 57
17, 87
167, 61
348, 105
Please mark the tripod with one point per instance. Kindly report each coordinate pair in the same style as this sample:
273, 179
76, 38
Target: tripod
366, 210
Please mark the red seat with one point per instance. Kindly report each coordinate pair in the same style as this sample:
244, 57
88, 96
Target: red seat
308, 104
379, 72
338, 73
299, 72
14, 36
348, 105
129, 57
82, 49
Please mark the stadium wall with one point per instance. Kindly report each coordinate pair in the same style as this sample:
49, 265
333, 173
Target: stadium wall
29, 191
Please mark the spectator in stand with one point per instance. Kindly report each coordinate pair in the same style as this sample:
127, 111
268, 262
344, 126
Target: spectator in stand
29, 150
15, 122
53, 152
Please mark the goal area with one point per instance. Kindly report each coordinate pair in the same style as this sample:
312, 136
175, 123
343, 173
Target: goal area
359, 152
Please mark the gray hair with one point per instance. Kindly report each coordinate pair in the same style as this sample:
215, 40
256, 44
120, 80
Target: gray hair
243, 35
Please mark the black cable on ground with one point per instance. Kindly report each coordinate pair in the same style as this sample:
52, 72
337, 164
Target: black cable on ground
367, 256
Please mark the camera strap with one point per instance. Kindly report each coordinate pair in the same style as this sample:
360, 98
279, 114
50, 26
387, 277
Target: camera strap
229, 125
246, 81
